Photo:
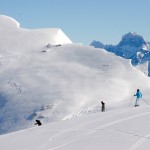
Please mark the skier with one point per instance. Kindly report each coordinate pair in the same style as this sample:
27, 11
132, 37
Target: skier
38, 122
103, 106
138, 97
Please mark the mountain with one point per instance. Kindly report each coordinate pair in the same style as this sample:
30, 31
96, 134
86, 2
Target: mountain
45, 76
132, 46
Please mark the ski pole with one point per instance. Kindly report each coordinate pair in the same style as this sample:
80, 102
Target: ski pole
145, 101
131, 101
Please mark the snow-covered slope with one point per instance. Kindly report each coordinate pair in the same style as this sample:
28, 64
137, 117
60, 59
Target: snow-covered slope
121, 129
132, 46
23, 70
43, 75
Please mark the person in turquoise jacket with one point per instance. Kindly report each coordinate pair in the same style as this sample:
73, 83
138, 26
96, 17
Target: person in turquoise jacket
138, 97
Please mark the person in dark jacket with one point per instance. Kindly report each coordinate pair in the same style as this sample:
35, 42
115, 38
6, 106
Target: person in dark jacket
38, 122
103, 106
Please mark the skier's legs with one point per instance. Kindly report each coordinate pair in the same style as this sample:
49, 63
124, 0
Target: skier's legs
103, 108
137, 102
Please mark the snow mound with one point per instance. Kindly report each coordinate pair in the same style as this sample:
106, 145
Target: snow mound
8, 22
24, 39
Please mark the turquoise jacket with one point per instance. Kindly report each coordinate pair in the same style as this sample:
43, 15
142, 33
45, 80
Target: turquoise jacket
138, 94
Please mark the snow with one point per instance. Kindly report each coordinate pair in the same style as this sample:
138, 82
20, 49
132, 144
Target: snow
63, 87
119, 129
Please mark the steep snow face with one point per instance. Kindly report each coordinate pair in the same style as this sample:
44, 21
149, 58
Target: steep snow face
132, 46
19, 86
45, 82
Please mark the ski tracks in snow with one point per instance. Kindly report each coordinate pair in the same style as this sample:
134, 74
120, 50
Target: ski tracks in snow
81, 125
66, 142
139, 142
78, 126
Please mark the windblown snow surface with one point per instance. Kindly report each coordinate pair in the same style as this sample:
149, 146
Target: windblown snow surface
45, 76
120, 129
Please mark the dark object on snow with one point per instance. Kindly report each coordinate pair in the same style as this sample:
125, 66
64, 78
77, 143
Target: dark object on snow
43, 51
38, 122
50, 46
58, 45
103, 106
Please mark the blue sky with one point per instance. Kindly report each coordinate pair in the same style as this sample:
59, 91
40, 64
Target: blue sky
83, 20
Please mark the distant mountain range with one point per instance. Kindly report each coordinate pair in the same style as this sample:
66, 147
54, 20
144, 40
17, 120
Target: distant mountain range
132, 46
